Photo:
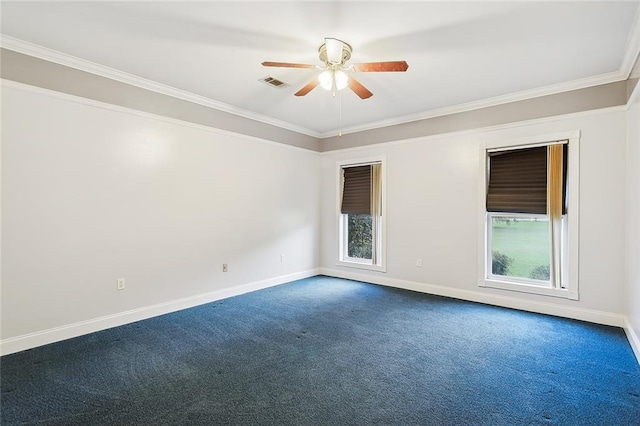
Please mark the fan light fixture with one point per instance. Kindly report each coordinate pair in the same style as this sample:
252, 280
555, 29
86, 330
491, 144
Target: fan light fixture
335, 54
333, 78
334, 50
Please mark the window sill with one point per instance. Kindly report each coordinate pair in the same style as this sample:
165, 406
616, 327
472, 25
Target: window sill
528, 288
361, 265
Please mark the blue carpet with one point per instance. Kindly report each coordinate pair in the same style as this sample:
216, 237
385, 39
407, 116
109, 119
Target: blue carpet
326, 351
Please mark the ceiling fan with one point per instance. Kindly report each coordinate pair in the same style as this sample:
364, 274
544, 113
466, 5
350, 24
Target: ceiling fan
335, 53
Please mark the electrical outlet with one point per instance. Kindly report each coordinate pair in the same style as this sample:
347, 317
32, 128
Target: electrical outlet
419, 263
282, 258
225, 267
120, 284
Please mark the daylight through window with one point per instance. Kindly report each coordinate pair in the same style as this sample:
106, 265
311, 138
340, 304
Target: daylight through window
361, 215
527, 216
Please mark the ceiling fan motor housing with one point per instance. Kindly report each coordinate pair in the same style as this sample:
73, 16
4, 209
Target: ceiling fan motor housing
346, 53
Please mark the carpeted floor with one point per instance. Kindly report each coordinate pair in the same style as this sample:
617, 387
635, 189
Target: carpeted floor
326, 351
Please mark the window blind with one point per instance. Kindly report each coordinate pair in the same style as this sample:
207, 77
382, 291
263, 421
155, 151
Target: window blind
356, 192
518, 181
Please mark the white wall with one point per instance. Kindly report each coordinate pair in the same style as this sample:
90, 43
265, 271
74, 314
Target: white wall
433, 210
633, 226
92, 193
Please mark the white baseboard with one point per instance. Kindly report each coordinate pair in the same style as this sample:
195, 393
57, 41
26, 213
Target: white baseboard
599, 317
32, 340
634, 339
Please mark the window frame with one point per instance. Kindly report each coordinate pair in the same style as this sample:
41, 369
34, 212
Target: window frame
568, 285
378, 226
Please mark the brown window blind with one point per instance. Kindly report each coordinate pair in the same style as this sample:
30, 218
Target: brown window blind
518, 181
356, 192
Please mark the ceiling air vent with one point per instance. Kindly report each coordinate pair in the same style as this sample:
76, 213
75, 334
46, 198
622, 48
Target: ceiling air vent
273, 81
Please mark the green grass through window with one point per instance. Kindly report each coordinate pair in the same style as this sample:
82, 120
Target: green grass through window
525, 241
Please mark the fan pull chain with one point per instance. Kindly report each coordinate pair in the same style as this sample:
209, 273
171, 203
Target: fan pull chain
340, 114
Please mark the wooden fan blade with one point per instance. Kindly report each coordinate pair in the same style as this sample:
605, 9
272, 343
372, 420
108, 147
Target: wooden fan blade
286, 65
359, 89
389, 66
309, 87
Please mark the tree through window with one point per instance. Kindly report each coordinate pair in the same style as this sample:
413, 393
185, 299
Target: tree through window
361, 214
526, 214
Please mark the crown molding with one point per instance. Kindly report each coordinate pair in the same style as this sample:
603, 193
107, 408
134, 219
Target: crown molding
631, 53
60, 58
553, 89
481, 130
10, 84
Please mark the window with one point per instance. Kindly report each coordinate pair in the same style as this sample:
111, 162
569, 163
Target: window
360, 215
529, 217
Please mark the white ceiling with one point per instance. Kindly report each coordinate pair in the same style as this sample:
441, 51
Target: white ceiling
458, 52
